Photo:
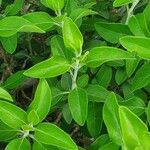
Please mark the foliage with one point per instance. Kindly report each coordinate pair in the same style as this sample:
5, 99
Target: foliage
75, 74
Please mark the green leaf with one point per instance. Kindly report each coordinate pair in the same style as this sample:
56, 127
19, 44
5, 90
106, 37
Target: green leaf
118, 3
9, 43
112, 32
110, 145
83, 81
14, 80
54, 5
132, 128
146, 13
137, 44
142, 77
50, 134
44, 21
12, 115
6, 133
58, 48
135, 104
13, 24
33, 117
51, 67
135, 26
104, 76
19, 144
94, 118
99, 55
5, 95
80, 13
120, 76
72, 36
111, 119
97, 93
42, 100
67, 114
148, 112
78, 104
131, 66
14, 8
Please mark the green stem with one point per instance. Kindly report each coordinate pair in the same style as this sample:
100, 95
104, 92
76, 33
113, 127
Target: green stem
130, 11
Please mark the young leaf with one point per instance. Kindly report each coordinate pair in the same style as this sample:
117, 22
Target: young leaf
118, 3
99, 55
137, 44
19, 144
5, 95
111, 118
11, 25
9, 43
44, 20
112, 32
94, 118
53, 4
72, 36
141, 78
51, 67
132, 128
50, 134
42, 100
12, 115
78, 104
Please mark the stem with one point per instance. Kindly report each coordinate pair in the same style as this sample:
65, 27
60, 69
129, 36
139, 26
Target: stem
130, 11
76, 69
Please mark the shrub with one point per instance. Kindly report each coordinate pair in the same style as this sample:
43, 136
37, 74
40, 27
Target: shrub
75, 75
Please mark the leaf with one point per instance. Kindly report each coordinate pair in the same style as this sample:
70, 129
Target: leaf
112, 32
12, 115
131, 66
6, 133
44, 21
51, 67
54, 5
138, 44
146, 13
58, 48
110, 145
9, 43
5, 95
94, 118
104, 76
120, 76
118, 3
72, 36
80, 13
50, 134
135, 104
132, 128
14, 8
67, 114
14, 80
111, 119
135, 26
141, 78
78, 104
19, 144
42, 100
148, 112
83, 81
97, 93
13, 24
99, 55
